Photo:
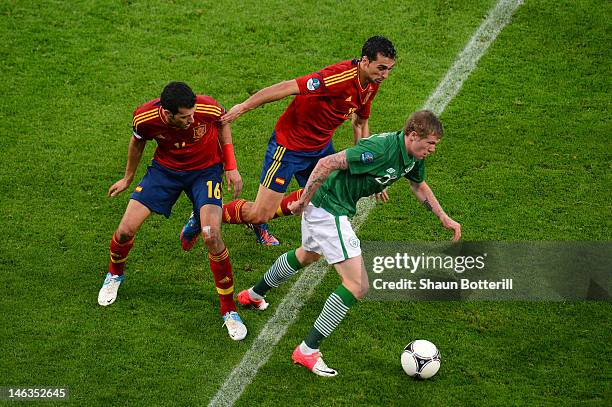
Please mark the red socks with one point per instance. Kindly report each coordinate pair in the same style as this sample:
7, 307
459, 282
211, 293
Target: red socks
231, 211
222, 270
118, 255
219, 264
283, 209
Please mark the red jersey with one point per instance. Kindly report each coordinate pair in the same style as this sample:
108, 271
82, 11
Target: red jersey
194, 148
326, 99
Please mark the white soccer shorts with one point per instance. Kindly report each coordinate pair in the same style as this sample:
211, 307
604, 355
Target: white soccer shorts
329, 235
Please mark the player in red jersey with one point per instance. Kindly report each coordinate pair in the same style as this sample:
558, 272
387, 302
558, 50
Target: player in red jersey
302, 135
193, 149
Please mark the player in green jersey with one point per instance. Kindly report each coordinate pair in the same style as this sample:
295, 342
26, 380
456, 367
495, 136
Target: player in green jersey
329, 199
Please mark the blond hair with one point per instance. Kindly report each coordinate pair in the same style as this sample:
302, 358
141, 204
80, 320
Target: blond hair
424, 123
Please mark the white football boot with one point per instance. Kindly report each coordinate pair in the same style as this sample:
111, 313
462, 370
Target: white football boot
108, 292
235, 327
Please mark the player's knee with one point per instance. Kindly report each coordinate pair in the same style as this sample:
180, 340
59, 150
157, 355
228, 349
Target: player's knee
310, 258
125, 233
211, 236
305, 257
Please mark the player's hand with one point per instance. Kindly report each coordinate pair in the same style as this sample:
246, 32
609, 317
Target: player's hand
118, 187
232, 114
450, 224
296, 207
382, 196
234, 182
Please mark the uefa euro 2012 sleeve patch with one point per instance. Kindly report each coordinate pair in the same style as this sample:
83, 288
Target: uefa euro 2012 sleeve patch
313, 84
367, 157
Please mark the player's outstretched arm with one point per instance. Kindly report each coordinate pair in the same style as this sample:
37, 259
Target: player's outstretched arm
266, 95
361, 129
426, 196
321, 171
232, 176
135, 150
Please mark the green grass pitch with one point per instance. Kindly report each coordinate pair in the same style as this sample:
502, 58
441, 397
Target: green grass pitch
527, 156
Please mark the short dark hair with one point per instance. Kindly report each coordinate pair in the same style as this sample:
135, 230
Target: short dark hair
176, 95
425, 123
378, 45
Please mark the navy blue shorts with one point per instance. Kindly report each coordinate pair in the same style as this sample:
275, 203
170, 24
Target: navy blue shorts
280, 164
160, 188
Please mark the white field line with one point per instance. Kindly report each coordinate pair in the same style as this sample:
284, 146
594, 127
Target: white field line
498, 17
288, 310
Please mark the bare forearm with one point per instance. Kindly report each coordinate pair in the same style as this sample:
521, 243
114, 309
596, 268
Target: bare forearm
426, 196
266, 95
324, 167
271, 94
135, 150
361, 128
225, 134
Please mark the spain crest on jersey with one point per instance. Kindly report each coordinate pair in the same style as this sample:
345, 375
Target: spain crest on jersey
199, 131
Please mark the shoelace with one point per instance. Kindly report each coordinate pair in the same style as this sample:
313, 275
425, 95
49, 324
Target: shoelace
267, 236
233, 317
112, 279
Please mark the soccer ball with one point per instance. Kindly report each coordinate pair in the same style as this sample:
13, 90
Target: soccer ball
421, 359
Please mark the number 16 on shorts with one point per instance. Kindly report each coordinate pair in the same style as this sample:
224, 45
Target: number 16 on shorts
214, 189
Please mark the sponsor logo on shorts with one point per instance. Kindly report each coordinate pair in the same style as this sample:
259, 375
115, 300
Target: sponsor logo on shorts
138, 188
354, 242
279, 181
367, 157
313, 84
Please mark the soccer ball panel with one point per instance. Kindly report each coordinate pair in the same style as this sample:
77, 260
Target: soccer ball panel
424, 349
429, 369
409, 363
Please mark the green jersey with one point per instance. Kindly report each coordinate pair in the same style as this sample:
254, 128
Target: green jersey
373, 164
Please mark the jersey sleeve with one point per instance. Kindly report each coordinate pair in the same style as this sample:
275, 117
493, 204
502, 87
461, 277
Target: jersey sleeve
209, 109
417, 173
135, 134
316, 83
142, 118
365, 156
218, 119
312, 84
145, 118
139, 131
